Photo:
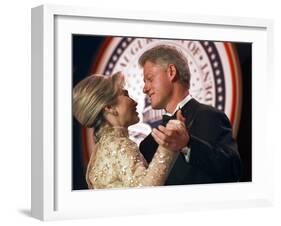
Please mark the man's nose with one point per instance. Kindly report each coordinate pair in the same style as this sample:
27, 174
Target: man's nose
145, 88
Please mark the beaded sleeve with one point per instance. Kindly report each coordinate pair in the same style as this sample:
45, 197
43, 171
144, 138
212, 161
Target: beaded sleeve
118, 162
136, 172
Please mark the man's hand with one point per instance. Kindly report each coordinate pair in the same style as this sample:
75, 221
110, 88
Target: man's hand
174, 136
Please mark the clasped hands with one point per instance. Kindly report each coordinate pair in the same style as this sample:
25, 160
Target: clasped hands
174, 136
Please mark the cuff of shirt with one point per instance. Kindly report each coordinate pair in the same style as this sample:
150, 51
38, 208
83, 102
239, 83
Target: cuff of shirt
186, 153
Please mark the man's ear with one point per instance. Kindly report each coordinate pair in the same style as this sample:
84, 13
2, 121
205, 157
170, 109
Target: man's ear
172, 72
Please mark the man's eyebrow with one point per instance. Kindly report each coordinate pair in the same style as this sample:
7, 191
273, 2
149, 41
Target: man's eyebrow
148, 76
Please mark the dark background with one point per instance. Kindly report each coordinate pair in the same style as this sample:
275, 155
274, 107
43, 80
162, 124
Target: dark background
84, 52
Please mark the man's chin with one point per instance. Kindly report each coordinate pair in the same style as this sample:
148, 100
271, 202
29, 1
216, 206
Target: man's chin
156, 106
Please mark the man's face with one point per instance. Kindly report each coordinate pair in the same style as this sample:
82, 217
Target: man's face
156, 85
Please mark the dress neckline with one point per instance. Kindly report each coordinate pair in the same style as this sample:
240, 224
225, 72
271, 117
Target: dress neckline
117, 131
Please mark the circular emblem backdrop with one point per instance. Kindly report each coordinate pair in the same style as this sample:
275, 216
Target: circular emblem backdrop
215, 75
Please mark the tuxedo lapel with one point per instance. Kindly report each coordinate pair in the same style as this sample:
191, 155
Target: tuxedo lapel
189, 112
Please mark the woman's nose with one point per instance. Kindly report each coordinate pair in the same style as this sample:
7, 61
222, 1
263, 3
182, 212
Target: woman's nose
135, 103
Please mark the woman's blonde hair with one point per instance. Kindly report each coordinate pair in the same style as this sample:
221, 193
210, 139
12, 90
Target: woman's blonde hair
92, 95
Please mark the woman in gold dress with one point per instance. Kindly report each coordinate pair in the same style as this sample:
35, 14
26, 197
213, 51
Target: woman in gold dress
101, 102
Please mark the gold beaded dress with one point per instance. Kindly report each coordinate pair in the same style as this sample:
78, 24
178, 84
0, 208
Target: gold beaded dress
117, 162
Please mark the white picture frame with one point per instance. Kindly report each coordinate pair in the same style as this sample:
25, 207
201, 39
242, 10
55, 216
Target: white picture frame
52, 197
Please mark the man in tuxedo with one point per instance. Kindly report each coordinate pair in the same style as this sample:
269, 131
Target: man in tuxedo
208, 152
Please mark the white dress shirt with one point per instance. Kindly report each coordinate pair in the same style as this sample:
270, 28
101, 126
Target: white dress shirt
186, 150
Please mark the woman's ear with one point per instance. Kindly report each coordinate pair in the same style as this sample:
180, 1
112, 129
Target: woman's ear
110, 110
110, 115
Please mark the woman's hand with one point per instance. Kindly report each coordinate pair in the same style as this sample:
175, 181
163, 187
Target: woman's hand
174, 136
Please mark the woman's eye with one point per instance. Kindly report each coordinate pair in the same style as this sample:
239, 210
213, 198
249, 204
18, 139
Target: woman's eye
126, 93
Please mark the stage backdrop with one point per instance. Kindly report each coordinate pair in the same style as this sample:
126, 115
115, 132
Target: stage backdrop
221, 76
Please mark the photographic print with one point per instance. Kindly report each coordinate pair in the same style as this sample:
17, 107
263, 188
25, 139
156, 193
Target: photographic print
220, 77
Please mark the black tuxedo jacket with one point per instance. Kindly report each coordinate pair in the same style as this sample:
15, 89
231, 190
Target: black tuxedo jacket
214, 155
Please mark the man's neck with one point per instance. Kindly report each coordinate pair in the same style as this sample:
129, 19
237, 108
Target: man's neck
178, 95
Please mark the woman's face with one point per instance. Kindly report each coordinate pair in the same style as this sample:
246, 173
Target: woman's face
127, 109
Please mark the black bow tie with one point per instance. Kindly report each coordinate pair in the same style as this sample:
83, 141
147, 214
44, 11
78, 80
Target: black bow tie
166, 119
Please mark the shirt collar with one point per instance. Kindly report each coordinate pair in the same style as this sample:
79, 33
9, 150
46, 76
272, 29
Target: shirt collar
180, 105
